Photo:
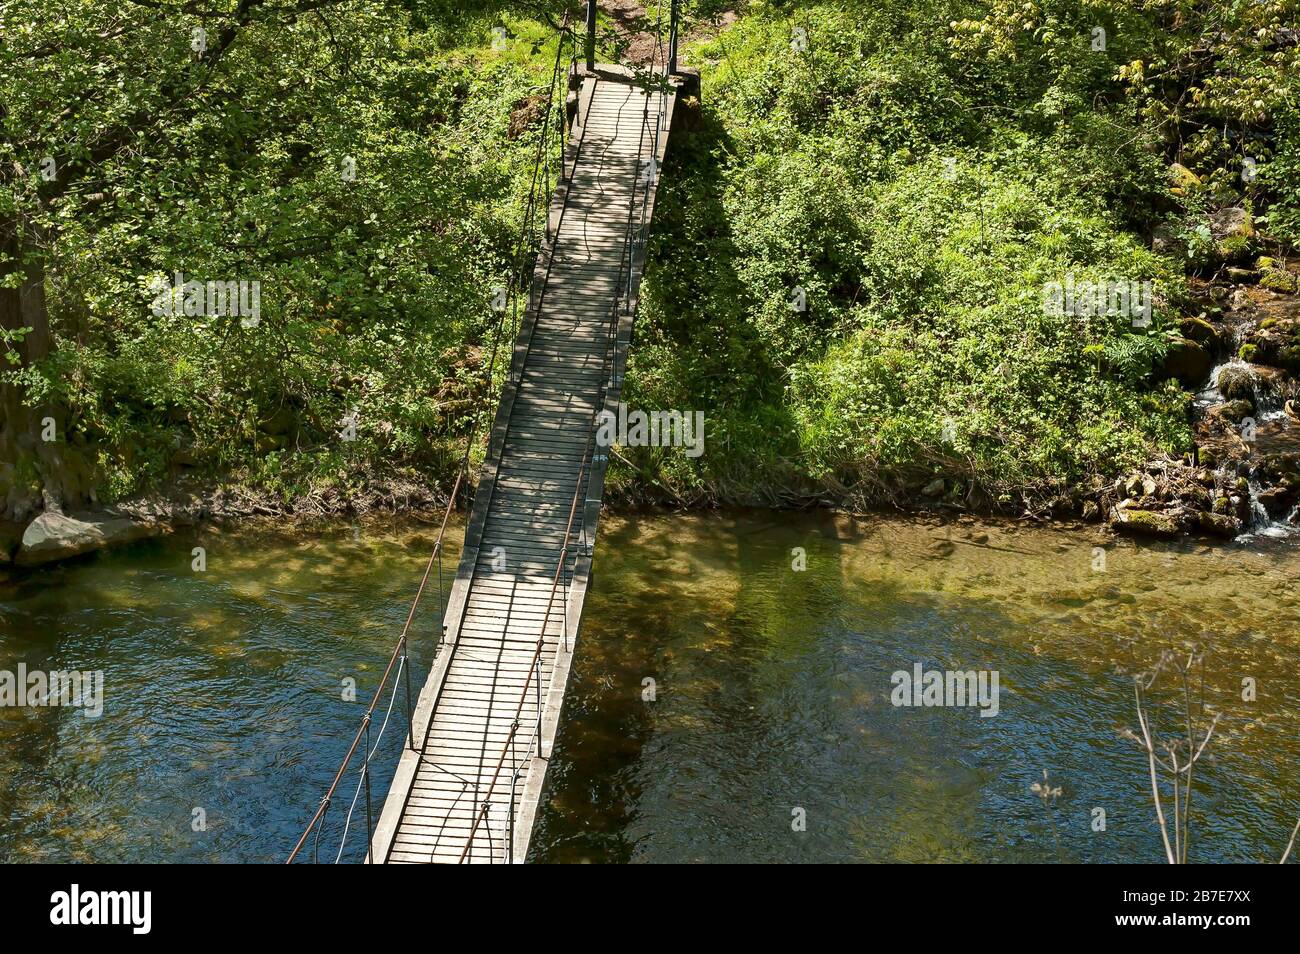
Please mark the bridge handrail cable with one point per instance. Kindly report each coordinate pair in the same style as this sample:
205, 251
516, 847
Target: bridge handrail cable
399, 660
586, 468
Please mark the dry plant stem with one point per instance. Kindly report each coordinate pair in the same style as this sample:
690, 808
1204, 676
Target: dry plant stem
1291, 844
1179, 818
1181, 771
1155, 781
1187, 708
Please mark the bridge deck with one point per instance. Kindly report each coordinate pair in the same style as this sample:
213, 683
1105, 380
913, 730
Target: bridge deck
560, 376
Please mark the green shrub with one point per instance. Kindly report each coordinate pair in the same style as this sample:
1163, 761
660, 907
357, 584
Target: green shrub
922, 212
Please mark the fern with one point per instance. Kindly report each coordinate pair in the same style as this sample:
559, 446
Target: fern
1133, 356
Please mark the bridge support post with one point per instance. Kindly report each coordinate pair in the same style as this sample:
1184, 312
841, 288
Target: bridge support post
591, 35
672, 38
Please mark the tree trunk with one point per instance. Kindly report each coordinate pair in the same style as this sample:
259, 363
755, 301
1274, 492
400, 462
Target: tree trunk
38, 468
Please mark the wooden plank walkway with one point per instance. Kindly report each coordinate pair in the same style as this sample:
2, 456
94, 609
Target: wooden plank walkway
567, 364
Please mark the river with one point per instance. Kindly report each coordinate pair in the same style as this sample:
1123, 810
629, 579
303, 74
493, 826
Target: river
731, 698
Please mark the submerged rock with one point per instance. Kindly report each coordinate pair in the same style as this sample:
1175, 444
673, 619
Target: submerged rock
941, 549
56, 536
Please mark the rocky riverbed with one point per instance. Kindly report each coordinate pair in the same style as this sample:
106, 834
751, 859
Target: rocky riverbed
54, 536
1241, 355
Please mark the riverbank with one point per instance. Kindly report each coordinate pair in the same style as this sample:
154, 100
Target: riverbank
68, 537
850, 255
53, 536
1236, 353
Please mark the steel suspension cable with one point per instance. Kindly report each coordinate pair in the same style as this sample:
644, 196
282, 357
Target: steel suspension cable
479, 816
400, 650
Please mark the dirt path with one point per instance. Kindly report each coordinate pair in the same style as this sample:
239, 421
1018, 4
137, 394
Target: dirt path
636, 29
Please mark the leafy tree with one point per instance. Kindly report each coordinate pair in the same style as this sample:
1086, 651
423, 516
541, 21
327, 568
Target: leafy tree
143, 139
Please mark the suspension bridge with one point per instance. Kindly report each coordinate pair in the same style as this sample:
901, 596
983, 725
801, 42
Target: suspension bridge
469, 782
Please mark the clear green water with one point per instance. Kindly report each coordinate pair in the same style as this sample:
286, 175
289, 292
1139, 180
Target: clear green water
772, 693
223, 691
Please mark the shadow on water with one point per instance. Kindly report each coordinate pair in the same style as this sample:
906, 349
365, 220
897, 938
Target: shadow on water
773, 696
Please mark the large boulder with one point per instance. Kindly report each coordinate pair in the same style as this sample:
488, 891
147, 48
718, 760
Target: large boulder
1233, 231
56, 536
1225, 223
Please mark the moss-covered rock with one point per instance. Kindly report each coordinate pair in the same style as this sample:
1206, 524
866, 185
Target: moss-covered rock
1280, 280
1219, 524
1234, 411
1144, 523
1183, 180
1276, 343
1237, 382
1195, 328
1234, 233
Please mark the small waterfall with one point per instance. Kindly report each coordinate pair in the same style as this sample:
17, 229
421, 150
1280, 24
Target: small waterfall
1258, 515
1259, 523
1268, 403
1240, 332
1211, 394
1269, 407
